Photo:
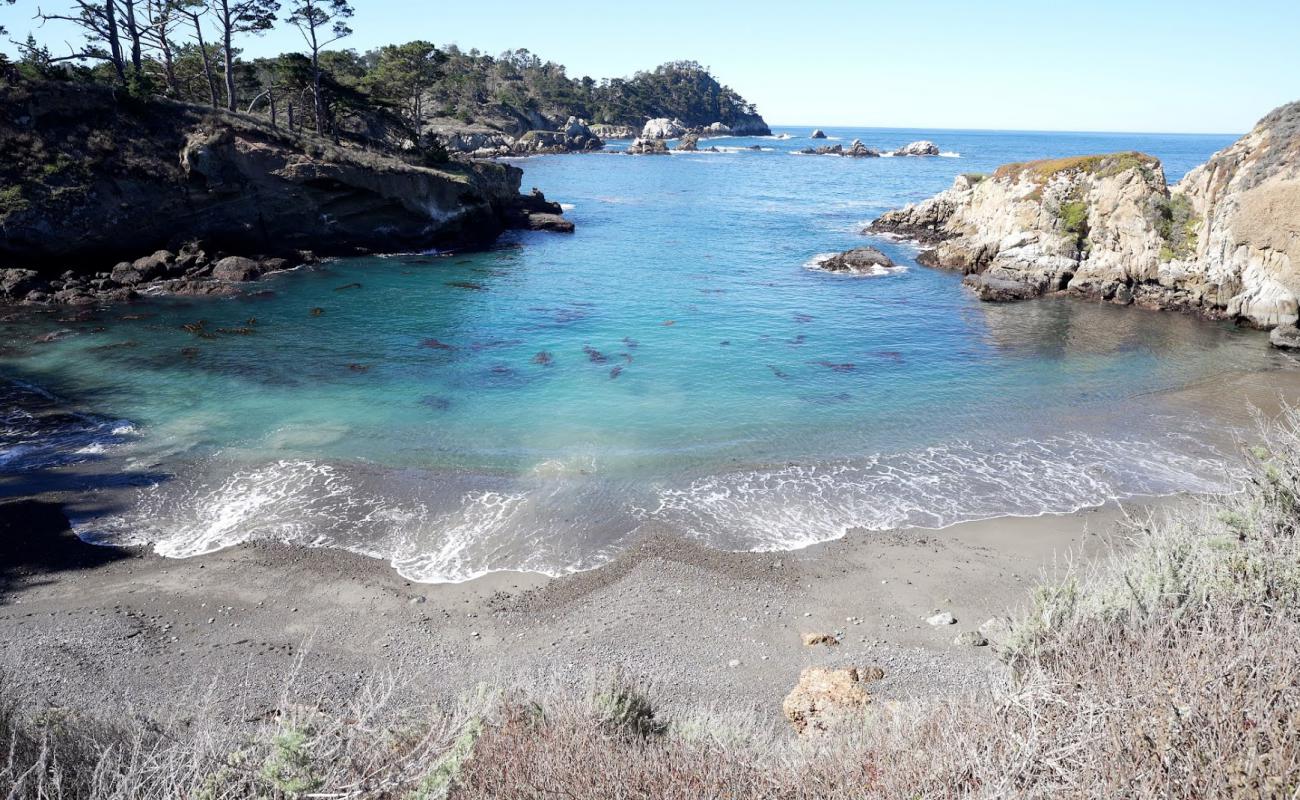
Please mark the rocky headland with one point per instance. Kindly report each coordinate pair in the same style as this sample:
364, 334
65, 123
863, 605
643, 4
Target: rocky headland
1224, 242
103, 196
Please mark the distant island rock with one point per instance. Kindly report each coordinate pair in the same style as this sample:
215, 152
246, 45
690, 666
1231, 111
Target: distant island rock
921, 148
817, 134
855, 150
1223, 243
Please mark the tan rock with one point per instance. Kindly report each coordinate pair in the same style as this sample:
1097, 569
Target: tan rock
813, 639
824, 696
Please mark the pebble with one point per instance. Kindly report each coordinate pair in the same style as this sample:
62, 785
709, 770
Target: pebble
942, 618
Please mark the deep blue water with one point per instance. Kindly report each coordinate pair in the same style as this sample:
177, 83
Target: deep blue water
673, 366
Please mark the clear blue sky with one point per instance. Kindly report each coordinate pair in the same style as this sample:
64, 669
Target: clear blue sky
1110, 65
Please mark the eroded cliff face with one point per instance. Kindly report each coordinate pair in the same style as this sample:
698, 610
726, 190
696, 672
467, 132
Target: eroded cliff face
1222, 243
91, 178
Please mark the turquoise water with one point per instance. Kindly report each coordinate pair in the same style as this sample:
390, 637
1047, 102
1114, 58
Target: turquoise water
674, 366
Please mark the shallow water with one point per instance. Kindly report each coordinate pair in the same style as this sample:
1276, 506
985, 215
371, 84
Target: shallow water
674, 365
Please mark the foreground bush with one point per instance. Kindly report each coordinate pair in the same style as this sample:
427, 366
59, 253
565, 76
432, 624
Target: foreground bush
1170, 671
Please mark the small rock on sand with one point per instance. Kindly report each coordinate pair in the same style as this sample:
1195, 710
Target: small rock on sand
942, 618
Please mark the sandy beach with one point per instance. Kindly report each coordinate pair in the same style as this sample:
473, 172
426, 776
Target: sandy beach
131, 629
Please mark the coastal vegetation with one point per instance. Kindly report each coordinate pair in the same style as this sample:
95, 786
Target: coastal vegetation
1101, 166
1167, 670
386, 98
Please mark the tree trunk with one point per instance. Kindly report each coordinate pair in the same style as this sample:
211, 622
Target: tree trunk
315, 85
270, 97
228, 54
114, 43
133, 33
207, 62
290, 116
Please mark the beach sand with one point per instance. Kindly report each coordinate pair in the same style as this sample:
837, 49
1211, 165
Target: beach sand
702, 627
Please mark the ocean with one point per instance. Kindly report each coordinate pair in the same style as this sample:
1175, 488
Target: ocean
675, 366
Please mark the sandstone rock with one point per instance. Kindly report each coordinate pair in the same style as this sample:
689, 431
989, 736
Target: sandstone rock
1224, 242
858, 261
824, 696
1285, 337
237, 269
817, 134
647, 147
663, 128
920, 148
813, 639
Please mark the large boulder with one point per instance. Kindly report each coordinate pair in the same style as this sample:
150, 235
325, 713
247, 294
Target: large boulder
154, 266
858, 261
716, 129
689, 143
16, 283
237, 269
817, 134
825, 696
919, 148
663, 128
1285, 337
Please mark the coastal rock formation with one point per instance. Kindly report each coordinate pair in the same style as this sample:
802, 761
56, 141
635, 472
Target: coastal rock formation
858, 261
717, 129
689, 143
1223, 243
859, 150
574, 136
151, 177
920, 148
647, 147
817, 134
855, 150
614, 131
663, 128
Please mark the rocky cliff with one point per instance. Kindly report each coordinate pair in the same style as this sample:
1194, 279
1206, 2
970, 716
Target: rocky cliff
90, 178
1224, 242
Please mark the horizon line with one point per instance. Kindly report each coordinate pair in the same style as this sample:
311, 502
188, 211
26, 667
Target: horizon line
1006, 130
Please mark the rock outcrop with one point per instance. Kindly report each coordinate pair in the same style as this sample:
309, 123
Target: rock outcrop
614, 131
920, 148
574, 136
855, 150
180, 182
858, 261
817, 134
1224, 242
647, 147
689, 143
717, 129
663, 128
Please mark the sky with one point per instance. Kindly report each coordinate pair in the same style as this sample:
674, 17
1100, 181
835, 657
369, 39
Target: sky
1106, 65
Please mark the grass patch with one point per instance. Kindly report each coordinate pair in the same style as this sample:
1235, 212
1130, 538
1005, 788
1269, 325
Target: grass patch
1102, 166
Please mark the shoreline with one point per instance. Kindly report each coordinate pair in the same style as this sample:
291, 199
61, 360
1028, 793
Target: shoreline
145, 631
